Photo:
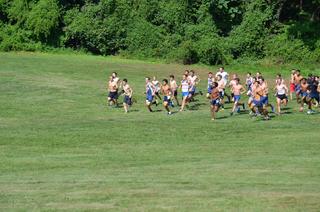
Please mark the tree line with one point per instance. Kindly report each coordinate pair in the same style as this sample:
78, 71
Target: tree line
185, 31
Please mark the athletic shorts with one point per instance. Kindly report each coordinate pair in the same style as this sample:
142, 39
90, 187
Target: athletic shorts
257, 103
166, 99
209, 90
215, 102
184, 94
221, 94
315, 96
249, 86
236, 98
192, 92
282, 96
264, 100
292, 87
304, 94
127, 100
113, 95
297, 88
175, 93
149, 98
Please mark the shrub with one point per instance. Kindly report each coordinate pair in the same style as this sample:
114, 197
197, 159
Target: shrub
284, 50
145, 39
13, 39
211, 51
185, 53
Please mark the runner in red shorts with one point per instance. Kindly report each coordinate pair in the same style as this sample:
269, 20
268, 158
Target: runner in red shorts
292, 85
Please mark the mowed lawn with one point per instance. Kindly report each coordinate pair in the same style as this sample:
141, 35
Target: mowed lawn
63, 148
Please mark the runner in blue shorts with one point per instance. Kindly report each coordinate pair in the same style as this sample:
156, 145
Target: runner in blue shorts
210, 81
113, 92
256, 106
214, 100
165, 89
185, 83
150, 92
127, 100
265, 99
237, 89
296, 79
305, 96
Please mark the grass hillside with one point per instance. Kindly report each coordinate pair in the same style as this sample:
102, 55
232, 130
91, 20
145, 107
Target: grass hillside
63, 148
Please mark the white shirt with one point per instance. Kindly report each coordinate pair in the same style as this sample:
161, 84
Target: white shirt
281, 90
184, 86
156, 85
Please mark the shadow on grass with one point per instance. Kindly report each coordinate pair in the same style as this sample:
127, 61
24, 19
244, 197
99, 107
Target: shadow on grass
222, 117
243, 112
286, 112
285, 108
196, 106
174, 112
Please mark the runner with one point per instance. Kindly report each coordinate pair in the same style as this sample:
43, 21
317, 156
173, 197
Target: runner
249, 80
224, 75
250, 92
117, 80
281, 95
166, 91
292, 84
265, 97
305, 95
314, 94
237, 90
174, 89
210, 81
297, 78
215, 100
194, 80
257, 105
113, 92
150, 92
221, 88
157, 86
127, 100
185, 91
231, 84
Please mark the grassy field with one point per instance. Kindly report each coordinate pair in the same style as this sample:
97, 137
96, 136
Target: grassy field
62, 148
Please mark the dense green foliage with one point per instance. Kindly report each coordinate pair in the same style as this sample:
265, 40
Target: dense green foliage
206, 31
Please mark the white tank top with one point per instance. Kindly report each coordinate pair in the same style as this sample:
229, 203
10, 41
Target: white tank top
210, 81
184, 86
156, 85
281, 90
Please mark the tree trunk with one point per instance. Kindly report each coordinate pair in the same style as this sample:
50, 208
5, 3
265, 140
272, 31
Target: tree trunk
280, 6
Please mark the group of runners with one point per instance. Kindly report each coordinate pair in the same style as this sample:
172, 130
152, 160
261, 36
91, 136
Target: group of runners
306, 91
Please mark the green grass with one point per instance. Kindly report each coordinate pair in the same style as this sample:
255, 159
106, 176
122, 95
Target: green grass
62, 148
